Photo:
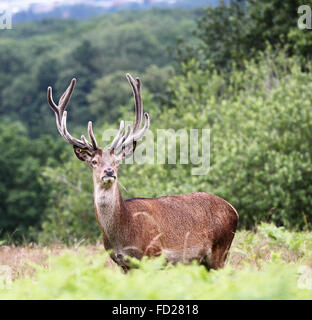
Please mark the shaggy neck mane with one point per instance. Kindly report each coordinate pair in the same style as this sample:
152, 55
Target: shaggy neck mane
110, 209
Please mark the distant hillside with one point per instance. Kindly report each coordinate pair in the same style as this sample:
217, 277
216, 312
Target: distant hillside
83, 11
98, 52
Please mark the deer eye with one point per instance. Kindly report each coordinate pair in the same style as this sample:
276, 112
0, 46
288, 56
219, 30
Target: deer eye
94, 162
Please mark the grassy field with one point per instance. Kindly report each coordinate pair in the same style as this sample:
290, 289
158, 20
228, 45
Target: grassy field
271, 263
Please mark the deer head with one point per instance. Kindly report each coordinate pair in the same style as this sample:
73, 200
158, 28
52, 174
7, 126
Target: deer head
104, 163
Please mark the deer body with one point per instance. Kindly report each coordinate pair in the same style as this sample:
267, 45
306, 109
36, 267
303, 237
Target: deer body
137, 227
184, 227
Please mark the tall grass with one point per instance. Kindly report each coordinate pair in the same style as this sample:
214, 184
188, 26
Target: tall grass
272, 263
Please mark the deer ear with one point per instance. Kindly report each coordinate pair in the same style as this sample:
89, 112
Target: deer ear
82, 154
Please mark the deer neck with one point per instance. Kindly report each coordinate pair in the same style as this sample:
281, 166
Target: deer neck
110, 209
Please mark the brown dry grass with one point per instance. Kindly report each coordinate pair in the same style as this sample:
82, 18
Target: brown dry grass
247, 248
18, 257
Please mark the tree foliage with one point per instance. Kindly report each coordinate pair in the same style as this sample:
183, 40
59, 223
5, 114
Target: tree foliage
24, 194
36, 55
237, 29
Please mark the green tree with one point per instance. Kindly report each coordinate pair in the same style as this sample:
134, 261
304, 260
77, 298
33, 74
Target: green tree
24, 196
221, 33
275, 22
36, 55
233, 31
260, 121
113, 91
109, 93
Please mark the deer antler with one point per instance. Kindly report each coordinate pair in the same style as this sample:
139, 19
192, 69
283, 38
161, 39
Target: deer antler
61, 116
125, 140
122, 141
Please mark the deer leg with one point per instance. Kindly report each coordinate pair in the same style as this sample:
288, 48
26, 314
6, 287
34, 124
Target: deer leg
219, 253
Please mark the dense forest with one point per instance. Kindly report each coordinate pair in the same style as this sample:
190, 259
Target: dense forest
240, 69
80, 10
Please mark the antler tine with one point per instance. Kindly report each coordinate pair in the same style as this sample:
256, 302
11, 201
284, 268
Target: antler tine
86, 142
136, 89
55, 109
132, 140
91, 136
118, 136
137, 135
67, 95
124, 137
59, 110
51, 101
61, 117
67, 136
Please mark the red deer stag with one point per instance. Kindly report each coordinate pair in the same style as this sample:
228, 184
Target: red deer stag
184, 227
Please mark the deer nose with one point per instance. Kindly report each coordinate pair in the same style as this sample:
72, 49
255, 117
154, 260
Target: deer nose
109, 172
